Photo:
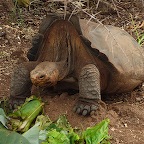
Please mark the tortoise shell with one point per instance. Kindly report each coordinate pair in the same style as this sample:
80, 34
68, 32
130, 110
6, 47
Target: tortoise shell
122, 50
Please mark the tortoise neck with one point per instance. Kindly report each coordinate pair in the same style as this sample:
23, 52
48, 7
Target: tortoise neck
63, 69
59, 44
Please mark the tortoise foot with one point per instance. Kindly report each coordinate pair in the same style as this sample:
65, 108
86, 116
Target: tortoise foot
85, 107
15, 102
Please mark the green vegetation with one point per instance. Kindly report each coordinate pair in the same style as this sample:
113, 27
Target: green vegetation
45, 131
139, 36
25, 114
141, 39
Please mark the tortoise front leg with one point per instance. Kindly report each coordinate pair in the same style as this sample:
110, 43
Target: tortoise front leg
20, 86
89, 90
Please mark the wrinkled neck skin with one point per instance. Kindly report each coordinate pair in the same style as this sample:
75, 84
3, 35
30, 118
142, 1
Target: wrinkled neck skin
63, 69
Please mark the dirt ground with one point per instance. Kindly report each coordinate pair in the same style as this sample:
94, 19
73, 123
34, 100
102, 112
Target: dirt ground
125, 111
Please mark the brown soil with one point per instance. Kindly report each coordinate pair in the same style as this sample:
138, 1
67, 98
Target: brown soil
126, 118
125, 111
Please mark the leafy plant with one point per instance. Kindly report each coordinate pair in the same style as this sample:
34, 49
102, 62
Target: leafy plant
46, 131
25, 114
140, 36
97, 133
7, 136
141, 39
61, 132
11, 137
3, 118
24, 3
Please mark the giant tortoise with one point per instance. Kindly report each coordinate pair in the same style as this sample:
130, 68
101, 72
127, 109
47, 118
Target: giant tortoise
101, 59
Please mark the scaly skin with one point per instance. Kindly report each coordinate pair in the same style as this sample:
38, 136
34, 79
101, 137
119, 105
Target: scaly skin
64, 54
89, 90
20, 86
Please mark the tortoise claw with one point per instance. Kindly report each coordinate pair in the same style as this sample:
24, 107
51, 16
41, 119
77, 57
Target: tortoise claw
85, 107
15, 102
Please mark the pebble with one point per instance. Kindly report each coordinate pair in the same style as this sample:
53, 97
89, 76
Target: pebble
113, 129
125, 125
138, 99
63, 95
143, 86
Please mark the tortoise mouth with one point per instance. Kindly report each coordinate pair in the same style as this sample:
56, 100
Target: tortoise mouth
44, 82
44, 78
41, 83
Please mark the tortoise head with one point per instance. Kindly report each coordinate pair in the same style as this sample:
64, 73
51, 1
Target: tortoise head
45, 74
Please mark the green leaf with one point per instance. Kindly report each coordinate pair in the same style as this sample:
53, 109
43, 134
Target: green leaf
3, 118
63, 123
32, 135
2, 112
42, 135
11, 137
97, 134
24, 3
61, 128
44, 121
27, 112
141, 39
28, 108
55, 137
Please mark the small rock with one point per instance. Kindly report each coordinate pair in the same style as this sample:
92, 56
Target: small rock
113, 129
6, 41
63, 95
6, 74
125, 125
138, 99
2, 33
143, 86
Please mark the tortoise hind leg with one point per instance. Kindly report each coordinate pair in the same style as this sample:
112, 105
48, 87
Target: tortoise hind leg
20, 86
89, 90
